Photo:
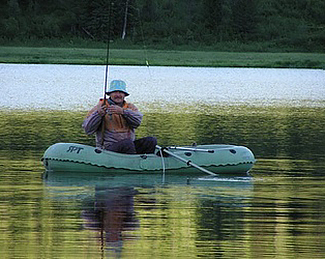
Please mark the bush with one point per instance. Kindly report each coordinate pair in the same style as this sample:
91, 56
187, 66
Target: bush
10, 28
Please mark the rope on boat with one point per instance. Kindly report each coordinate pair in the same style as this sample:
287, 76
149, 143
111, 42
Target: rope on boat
163, 165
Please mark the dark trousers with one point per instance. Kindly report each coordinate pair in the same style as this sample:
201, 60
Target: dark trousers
145, 145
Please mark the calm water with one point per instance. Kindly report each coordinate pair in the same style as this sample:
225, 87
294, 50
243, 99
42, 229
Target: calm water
278, 211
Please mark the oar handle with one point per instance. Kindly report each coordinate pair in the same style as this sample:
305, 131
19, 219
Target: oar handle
193, 149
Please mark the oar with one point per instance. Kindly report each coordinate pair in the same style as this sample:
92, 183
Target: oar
188, 162
193, 149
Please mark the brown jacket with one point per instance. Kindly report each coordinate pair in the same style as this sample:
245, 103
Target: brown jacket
117, 127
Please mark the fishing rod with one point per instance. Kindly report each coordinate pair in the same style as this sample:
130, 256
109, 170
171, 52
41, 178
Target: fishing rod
106, 69
107, 50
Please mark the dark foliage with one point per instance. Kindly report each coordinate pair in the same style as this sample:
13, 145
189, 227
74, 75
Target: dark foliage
299, 24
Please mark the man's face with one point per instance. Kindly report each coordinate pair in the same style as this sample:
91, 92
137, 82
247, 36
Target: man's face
117, 97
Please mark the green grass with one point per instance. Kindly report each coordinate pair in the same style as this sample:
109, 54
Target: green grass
89, 56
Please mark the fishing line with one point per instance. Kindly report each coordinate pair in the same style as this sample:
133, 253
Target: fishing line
145, 52
143, 40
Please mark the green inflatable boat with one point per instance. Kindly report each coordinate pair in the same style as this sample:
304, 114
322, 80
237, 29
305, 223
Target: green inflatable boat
212, 159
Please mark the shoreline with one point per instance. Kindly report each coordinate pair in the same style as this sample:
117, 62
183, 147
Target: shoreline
139, 57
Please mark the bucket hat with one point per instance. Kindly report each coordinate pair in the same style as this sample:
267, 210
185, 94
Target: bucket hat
117, 85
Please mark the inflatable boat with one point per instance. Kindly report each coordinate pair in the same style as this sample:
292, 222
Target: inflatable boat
213, 159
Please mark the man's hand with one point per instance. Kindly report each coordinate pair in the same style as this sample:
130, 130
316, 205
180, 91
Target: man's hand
102, 110
115, 109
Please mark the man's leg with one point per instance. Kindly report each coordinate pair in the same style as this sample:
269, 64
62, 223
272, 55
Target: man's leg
124, 146
145, 145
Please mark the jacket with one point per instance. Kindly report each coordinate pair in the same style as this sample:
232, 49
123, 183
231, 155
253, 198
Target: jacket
117, 127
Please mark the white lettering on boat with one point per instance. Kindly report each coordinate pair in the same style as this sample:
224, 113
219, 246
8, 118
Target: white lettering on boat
75, 149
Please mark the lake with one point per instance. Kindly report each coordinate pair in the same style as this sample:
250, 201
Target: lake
275, 211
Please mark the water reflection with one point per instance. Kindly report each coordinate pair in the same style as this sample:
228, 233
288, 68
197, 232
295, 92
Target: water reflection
271, 132
111, 214
130, 216
221, 219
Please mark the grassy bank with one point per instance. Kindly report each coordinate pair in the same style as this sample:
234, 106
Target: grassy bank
89, 56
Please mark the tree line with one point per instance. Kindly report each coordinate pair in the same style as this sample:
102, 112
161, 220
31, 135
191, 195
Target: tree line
299, 24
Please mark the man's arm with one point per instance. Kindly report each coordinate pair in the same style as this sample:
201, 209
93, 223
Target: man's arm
133, 118
94, 119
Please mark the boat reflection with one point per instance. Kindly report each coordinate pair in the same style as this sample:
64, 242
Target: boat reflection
145, 180
117, 206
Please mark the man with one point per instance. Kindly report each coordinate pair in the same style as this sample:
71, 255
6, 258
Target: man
120, 119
